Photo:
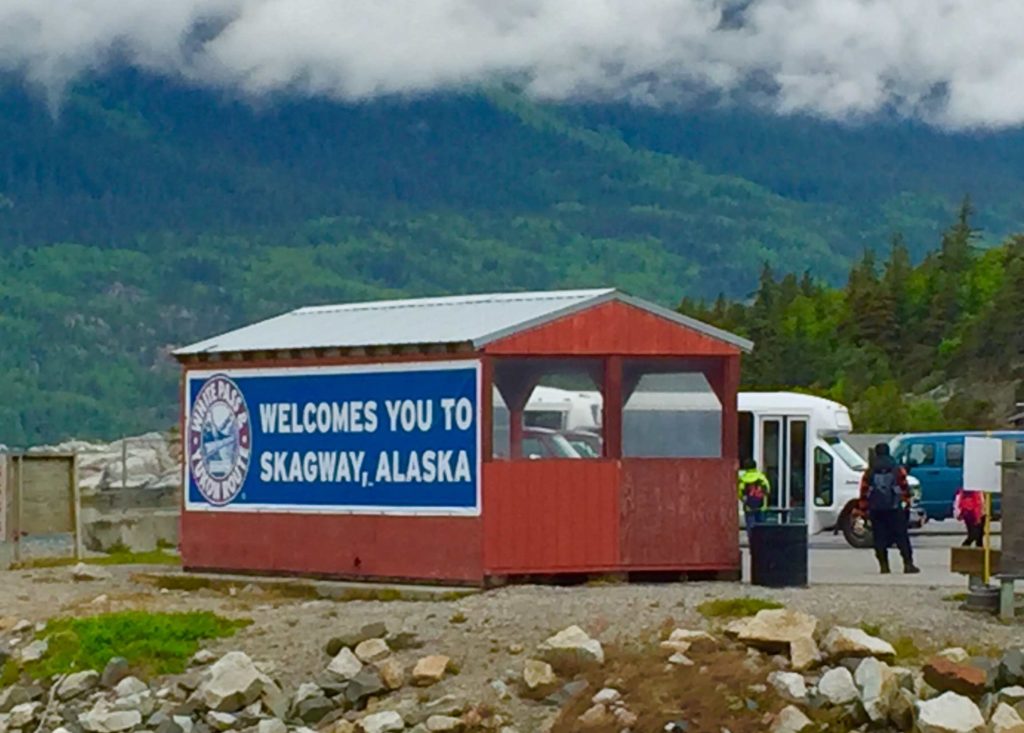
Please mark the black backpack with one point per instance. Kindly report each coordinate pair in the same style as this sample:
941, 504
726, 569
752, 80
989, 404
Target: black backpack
884, 494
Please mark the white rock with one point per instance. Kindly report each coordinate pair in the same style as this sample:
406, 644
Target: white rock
184, 722
572, 646
345, 665
77, 684
221, 721
790, 686
306, 691
607, 696
23, 715
774, 629
102, 719
538, 674
877, 685
955, 654
234, 683
790, 720
130, 686
384, 722
949, 713
34, 651
372, 650
691, 636
272, 725
803, 653
844, 642
203, 657
837, 686
443, 724
1006, 720
85, 573
680, 660
1011, 695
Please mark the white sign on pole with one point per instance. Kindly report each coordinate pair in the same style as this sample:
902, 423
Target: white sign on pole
982, 471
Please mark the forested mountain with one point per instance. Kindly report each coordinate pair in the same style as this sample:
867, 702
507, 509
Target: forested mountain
142, 214
931, 347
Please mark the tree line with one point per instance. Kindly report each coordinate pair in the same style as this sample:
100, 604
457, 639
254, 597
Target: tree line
927, 346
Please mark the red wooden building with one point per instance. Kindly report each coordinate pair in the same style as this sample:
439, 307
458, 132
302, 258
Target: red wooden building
657, 498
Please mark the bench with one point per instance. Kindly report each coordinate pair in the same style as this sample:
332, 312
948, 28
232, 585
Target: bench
970, 561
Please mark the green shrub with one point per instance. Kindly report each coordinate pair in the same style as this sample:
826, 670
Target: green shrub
735, 607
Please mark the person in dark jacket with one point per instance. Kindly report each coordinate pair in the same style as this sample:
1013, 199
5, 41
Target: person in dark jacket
885, 497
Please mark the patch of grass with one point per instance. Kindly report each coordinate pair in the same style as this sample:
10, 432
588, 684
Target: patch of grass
871, 629
955, 598
735, 607
153, 643
125, 557
458, 618
162, 544
9, 673
906, 648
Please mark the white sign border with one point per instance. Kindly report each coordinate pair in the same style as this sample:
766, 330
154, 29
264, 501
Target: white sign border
299, 371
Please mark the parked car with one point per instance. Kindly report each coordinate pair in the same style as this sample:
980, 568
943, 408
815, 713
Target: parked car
586, 443
936, 460
544, 443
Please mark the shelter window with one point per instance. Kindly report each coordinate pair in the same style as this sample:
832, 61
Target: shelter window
669, 413
547, 409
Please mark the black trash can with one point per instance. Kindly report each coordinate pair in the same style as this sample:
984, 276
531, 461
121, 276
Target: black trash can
778, 551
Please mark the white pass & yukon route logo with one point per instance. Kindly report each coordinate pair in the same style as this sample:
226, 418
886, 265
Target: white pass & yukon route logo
219, 440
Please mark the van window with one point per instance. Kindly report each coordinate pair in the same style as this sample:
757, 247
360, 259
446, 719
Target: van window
954, 455
550, 419
922, 454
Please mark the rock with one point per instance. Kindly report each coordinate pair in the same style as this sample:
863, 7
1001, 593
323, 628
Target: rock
1011, 668
444, 724
271, 726
567, 692
340, 726
183, 722
789, 686
385, 722
1006, 720
272, 698
130, 686
34, 651
355, 638
947, 676
365, 684
202, 658
877, 685
306, 691
234, 683
23, 715
596, 716
392, 673
837, 686
848, 643
87, 573
803, 653
103, 719
501, 690
949, 713
626, 719
680, 660
790, 720
538, 675
955, 654
699, 640
14, 695
313, 709
345, 665
115, 671
1011, 695
572, 648
607, 696
372, 650
773, 630
77, 684
222, 721
430, 670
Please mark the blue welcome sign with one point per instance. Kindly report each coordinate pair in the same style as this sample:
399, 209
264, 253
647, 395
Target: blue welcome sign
381, 439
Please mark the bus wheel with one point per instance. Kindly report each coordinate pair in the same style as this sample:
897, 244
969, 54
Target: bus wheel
857, 531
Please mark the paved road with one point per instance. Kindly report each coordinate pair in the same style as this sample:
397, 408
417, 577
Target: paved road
832, 561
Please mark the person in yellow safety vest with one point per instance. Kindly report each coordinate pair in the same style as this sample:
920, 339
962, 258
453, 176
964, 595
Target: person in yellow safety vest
754, 489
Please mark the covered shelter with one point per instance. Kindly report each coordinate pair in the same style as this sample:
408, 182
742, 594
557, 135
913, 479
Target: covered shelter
387, 440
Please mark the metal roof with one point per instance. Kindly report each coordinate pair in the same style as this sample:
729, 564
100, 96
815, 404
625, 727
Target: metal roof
473, 319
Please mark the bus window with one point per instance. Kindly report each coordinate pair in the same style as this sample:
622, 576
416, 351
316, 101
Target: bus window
824, 478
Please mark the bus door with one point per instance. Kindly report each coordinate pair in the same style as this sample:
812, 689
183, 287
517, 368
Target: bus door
783, 453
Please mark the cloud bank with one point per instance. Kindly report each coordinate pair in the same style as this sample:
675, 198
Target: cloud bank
952, 63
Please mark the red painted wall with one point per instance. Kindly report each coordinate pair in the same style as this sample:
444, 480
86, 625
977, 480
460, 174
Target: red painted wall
550, 516
679, 513
431, 548
611, 328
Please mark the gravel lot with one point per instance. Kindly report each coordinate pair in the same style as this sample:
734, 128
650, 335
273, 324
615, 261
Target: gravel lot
480, 632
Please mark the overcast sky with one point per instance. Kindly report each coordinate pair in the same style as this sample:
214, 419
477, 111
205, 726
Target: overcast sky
952, 63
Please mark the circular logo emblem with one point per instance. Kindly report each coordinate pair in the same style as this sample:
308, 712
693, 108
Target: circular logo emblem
219, 440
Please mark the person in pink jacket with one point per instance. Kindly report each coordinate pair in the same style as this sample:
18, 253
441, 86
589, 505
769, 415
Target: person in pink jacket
969, 508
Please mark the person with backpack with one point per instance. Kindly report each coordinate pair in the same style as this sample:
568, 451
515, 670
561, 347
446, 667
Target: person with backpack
885, 497
754, 489
969, 508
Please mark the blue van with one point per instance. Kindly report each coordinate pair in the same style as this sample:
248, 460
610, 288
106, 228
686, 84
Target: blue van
936, 460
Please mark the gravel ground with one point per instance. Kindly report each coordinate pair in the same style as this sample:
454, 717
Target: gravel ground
479, 631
